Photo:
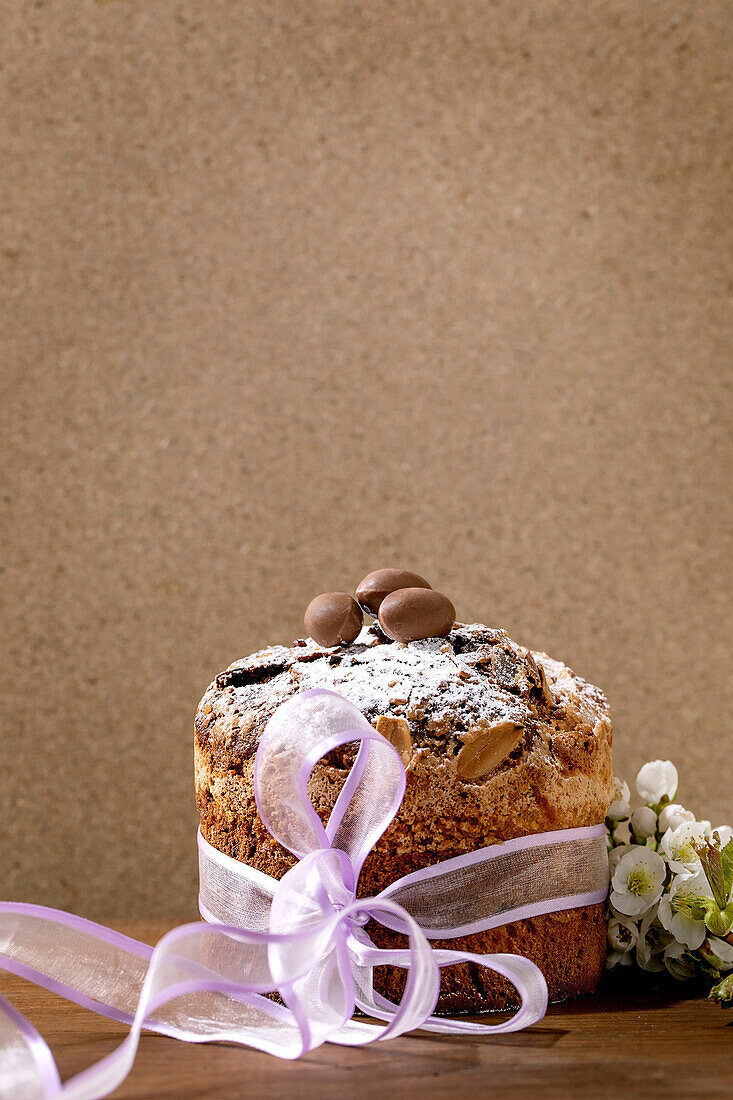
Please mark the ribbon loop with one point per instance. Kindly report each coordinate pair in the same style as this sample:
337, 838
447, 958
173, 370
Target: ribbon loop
300, 732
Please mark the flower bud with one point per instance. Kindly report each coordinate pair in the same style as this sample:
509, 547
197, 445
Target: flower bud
644, 822
620, 807
657, 780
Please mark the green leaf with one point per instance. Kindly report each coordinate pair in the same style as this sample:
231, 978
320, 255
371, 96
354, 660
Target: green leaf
712, 865
722, 993
721, 922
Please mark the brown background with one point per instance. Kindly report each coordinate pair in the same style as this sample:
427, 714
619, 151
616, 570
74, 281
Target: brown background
296, 290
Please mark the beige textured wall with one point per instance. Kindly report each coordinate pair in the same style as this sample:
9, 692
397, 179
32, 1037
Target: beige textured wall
295, 290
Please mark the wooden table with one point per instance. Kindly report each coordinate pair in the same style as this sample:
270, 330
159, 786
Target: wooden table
630, 1040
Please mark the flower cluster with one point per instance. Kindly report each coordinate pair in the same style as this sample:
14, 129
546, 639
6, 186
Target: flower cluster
670, 904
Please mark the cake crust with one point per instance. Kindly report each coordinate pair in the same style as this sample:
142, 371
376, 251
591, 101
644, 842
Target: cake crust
447, 690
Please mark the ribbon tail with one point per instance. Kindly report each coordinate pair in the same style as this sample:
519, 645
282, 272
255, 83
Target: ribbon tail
201, 983
27, 1061
523, 974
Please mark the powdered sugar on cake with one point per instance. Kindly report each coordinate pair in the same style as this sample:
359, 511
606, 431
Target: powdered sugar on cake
441, 686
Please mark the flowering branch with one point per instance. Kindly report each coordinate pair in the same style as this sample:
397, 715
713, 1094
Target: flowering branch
670, 904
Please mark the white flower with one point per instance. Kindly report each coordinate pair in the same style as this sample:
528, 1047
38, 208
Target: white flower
638, 881
674, 815
678, 962
652, 941
680, 846
685, 889
654, 926
616, 855
620, 807
622, 934
644, 822
657, 780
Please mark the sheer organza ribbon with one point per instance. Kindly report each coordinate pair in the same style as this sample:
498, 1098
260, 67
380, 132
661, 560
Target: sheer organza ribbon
303, 936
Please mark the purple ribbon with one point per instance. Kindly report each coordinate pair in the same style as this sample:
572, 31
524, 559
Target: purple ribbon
302, 936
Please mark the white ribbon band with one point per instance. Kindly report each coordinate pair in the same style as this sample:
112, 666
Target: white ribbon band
493, 886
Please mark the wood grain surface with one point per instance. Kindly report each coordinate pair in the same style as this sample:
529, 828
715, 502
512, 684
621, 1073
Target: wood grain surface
633, 1039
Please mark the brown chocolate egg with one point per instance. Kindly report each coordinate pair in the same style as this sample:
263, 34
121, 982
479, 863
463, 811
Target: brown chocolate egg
375, 586
333, 618
412, 613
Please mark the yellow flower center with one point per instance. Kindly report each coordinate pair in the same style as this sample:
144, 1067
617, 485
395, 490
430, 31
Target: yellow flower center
685, 852
638, 882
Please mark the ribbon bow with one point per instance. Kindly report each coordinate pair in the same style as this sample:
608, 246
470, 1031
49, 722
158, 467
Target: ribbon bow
302, 937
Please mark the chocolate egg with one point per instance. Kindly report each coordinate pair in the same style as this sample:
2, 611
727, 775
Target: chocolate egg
375, 586
333, 618
412, 613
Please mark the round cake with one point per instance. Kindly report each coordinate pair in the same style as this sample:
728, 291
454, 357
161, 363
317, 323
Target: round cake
498, 742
